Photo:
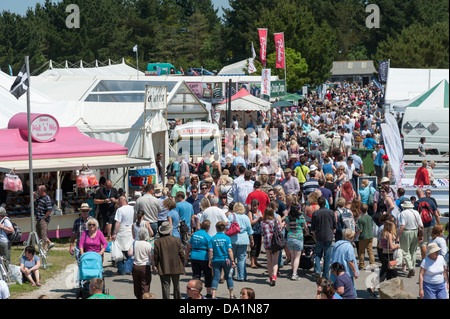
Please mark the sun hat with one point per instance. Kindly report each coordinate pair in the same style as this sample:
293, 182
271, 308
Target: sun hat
385, 180
432, 248
407, 205
165, 228
84, 206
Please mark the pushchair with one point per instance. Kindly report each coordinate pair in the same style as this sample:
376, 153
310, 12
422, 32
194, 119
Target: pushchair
308, 254
91, 266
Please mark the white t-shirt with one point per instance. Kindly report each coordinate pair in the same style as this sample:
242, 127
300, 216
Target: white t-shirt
434, 270
348, 139
125, 215
214, 214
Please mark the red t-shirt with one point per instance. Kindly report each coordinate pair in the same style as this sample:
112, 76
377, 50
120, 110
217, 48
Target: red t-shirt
262, 198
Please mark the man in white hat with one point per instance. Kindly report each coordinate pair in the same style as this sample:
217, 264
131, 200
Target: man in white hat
410, 224
79, 227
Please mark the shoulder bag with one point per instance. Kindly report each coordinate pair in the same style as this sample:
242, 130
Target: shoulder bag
234, 228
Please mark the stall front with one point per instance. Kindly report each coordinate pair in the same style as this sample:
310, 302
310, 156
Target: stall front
57, 152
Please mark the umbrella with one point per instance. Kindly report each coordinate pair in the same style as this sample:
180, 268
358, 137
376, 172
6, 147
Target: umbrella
282, 104
292, 97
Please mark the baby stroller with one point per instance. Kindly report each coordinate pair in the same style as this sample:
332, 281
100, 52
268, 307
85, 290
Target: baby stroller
91, 266
308, 254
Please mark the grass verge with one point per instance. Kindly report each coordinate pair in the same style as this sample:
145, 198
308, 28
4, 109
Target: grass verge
58, 257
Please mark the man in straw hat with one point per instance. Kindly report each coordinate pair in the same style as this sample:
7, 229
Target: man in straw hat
79, 227
410, 224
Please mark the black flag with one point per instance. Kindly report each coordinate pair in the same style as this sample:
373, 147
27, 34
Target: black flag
383, 67
21, 84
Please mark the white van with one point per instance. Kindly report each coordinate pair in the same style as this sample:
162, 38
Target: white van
425, 122
194, 139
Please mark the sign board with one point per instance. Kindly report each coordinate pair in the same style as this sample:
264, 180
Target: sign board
265, 82
194, 131
155, 97
305, 90
44, 128
277, 88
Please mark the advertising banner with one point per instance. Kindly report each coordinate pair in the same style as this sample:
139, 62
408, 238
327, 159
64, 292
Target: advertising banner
279, 47
263, 45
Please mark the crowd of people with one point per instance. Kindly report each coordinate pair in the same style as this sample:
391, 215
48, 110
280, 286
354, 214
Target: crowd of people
216, 213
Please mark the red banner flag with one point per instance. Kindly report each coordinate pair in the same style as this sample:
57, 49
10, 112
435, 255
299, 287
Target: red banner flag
279, 46
263, 45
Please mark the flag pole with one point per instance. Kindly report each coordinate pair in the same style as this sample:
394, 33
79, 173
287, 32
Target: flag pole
30, 153
137, 62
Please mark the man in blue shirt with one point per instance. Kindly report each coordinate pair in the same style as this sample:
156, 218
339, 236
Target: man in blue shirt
378, 162
185, 209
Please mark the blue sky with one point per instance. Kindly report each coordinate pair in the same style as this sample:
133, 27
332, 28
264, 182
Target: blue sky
21, 6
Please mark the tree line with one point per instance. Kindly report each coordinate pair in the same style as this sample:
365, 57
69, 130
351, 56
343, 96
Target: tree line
189, 33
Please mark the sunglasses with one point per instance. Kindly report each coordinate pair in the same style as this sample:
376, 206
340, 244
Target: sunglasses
91, 225
203, 188
85, 210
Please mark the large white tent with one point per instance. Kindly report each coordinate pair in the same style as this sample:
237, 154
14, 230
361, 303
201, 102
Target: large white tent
405, 84
106, 103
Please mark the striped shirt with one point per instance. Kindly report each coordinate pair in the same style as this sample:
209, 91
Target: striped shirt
43, 205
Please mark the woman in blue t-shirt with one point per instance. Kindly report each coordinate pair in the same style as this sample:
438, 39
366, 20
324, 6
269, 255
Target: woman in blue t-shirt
172, 216
29, 266
221, 258
198, 248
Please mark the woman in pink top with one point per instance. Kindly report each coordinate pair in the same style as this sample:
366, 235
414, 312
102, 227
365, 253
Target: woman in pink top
92, 239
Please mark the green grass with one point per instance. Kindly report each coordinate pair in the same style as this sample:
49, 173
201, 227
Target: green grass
59, 257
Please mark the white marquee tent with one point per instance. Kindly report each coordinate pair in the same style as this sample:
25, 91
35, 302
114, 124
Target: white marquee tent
405, 84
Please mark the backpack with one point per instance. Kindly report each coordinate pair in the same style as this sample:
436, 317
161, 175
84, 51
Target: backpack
425, 212
169, 169
278, 241
201, 168
16, 235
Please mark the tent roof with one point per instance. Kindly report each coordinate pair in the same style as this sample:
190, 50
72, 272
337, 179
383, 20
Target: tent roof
69, 142
406, 84
120, 69
435, 98
353, 67
244, 101
235, 68
282, 104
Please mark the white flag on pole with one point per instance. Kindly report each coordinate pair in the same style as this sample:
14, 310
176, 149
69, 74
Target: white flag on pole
253, 51
135, 48
251, 66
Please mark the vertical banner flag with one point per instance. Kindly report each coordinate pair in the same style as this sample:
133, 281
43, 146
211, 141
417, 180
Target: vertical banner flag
383, 67
279, 46
263, 45
265, 82
135, 48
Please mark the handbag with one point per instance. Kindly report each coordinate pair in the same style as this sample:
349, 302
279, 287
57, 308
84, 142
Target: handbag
116, 252
392, 264
234, 228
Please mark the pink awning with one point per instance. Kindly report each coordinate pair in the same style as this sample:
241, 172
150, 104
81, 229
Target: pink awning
69, 142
